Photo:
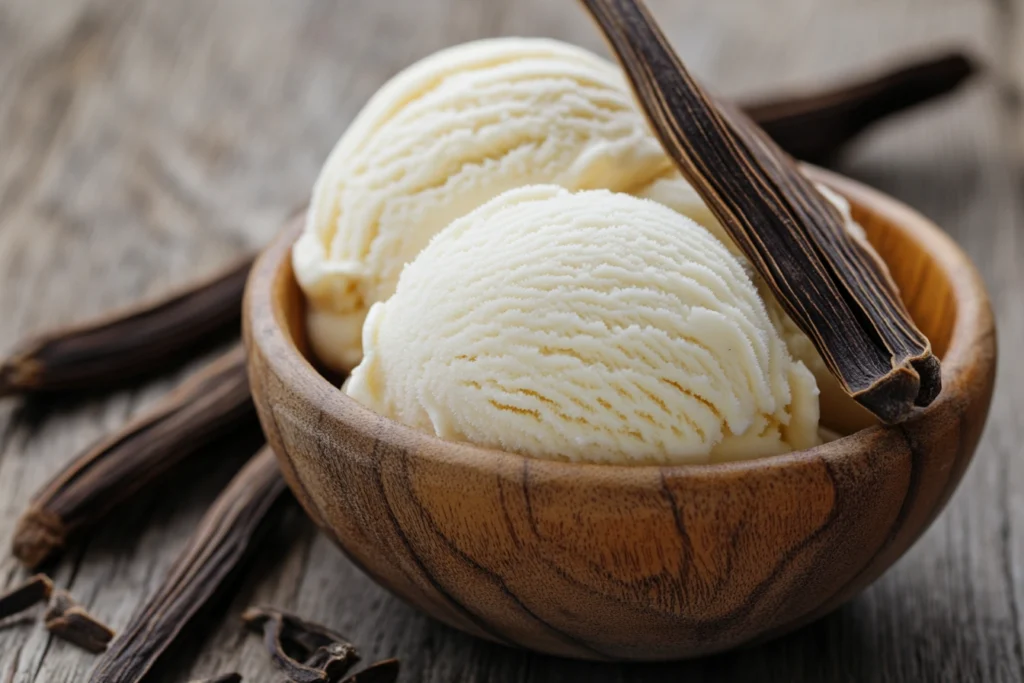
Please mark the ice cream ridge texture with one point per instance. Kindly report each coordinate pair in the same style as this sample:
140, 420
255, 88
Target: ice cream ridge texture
500, 252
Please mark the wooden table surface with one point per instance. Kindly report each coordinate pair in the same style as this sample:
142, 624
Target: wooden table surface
145, 142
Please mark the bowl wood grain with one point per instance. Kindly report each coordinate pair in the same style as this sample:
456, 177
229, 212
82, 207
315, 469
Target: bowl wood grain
645, 563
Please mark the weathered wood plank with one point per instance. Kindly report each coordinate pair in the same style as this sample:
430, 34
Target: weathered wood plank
142, 143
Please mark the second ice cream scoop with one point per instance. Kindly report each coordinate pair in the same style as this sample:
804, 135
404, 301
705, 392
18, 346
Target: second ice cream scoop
589, 326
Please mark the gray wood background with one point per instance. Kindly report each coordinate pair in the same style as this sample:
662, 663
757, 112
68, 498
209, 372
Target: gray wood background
143, 142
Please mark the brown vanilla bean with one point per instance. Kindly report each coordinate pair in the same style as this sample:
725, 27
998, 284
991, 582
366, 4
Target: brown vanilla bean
131, 343
815, 126
326, 655
68, 620
832, 285
37, 589
212, 403
216, 549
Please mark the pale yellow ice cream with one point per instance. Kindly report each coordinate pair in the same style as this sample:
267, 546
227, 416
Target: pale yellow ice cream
588, 326
440, 139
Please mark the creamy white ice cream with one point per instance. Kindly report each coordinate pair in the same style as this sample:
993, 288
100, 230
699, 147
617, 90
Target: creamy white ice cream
440, 139
588, 326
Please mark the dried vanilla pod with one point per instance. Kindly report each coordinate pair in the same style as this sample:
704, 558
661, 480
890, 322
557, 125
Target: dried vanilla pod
212, 403
225, 678
34, 591
326, 655
68, 620
221, 541
829, 283
815, 126
130, 343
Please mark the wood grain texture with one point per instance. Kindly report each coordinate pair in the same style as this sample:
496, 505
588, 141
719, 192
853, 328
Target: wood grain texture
630, 563
145, 143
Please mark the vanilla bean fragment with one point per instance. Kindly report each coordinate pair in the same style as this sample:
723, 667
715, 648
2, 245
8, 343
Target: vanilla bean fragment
34, 591
326, 655
226, 678
222, 540
814, 127
210, 404
833, 286
130, 343
68, 620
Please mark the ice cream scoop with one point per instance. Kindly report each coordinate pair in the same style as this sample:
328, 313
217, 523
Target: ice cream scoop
589, 326
440, 139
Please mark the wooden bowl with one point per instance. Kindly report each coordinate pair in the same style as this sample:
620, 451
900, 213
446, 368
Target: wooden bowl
618, 562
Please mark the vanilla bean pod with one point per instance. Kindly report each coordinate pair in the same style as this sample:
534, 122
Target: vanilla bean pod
833, 286
210, 404
225, 678
216, 549
814, 127
34, 591
68, 620
130, 343
325, 655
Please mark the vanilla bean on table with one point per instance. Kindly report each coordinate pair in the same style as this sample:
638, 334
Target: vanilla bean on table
128, 344
66, 619
814, 127
34, 591
221, 541
326, 655
834, 287
210, 404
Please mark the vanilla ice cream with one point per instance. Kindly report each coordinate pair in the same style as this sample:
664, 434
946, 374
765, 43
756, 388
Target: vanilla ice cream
440, 139
589, 326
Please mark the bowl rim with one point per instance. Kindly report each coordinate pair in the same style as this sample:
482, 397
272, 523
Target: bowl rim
972, 334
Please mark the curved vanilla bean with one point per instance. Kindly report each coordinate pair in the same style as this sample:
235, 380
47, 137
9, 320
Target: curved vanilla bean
217, 547
224, 678
326, 655
210, 404
832, 285
131, 343
815, 126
